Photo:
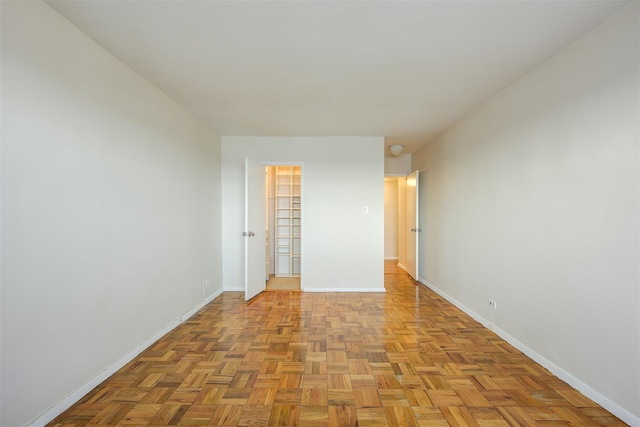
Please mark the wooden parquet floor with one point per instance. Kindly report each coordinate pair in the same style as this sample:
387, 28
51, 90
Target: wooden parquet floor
404, 358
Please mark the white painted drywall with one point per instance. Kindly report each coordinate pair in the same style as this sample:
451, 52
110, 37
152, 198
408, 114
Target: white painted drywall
397, 165
110, 210
390, 218
533, 201
342, 247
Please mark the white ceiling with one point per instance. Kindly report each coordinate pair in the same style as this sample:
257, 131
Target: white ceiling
405, 70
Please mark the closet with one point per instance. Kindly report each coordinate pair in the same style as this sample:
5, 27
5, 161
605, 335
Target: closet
285, 215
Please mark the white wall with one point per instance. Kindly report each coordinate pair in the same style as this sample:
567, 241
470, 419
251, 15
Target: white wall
390, 218
342, 248
533, 202
110, 210
397, 165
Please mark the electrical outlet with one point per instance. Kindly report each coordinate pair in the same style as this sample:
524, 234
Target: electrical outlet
205, 285
492, 304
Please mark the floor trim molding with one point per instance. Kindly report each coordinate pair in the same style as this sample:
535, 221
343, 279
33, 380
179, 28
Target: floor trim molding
344, 290
326, 290
565, 376
57, 409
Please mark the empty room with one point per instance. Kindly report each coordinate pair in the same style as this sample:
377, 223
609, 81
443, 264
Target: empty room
453, 187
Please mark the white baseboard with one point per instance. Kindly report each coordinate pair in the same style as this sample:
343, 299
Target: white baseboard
79, 393
393, 258
403, 267
324, 289
345, 290
565, 376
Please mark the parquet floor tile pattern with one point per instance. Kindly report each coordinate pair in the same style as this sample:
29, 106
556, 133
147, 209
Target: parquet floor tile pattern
404, 358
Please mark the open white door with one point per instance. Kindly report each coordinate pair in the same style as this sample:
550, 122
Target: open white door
412, 224
422, 225
254, 228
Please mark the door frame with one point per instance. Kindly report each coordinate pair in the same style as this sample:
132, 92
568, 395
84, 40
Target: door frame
302, 210
422, 225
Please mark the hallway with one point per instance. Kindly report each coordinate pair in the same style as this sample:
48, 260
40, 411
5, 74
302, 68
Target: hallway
401, 358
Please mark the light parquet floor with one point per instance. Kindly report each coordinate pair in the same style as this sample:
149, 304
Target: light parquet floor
283, 283
404, 358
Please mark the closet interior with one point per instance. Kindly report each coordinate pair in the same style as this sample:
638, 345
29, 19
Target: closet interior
284, 220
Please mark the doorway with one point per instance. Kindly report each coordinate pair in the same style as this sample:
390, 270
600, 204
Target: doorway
405, 228
284, 227
422, 224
